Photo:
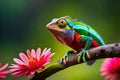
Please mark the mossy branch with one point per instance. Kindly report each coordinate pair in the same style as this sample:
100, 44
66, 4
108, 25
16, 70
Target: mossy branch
106, 51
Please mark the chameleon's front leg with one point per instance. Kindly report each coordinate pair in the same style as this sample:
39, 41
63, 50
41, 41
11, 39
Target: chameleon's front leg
65, 57
84, 51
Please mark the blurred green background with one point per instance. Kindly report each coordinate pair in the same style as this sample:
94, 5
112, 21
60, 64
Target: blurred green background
22, 27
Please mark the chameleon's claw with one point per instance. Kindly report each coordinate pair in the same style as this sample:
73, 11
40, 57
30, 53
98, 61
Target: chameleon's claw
65, 57
82, 55
63, 60
87, 54
84, 52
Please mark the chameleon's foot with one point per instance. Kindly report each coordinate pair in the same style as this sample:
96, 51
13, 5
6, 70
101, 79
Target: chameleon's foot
65, 57
83, 53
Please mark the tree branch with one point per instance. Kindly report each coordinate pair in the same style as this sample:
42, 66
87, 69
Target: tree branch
107, 51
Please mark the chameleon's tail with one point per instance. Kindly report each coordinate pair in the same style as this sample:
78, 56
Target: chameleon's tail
90, 62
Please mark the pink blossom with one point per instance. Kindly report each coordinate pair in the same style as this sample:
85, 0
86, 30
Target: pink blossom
111, 69
28, 65
3, 73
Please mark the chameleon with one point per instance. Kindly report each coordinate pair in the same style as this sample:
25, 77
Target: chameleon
75, 34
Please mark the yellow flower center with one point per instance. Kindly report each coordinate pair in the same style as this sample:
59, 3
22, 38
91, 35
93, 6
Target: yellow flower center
32, 62
31, 58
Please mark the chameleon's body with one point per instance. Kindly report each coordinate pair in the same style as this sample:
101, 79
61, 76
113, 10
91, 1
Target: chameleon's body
75, 34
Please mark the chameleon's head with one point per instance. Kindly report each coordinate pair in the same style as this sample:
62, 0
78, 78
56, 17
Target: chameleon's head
61, 28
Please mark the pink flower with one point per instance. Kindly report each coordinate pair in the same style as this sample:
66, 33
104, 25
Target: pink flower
111, 69
3, 73
28, 65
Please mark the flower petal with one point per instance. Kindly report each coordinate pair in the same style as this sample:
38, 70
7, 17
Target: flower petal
32, 72
24, 58
47, 51
28, 52
33, 53
3, 67
14, 66
18, 73
43, 53
28, 74
18, 61
107, 77
38, 53
2, 76
104, 73
113, 76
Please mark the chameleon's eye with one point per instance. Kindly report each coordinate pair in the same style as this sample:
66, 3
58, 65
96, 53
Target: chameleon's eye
62, 23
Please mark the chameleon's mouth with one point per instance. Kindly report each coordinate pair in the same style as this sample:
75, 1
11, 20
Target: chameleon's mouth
53, 28
49, 25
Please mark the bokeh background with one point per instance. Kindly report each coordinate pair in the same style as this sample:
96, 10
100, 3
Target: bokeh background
22, 27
